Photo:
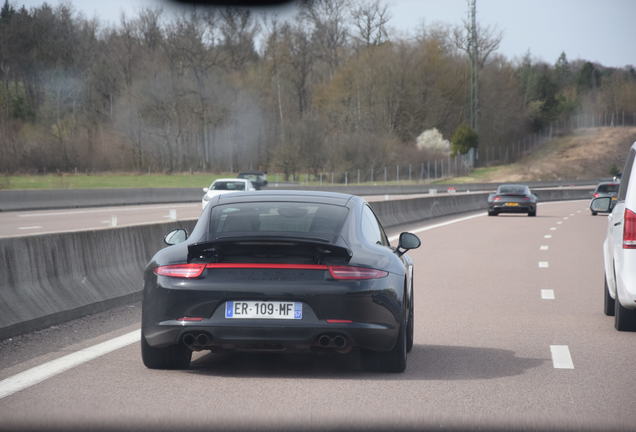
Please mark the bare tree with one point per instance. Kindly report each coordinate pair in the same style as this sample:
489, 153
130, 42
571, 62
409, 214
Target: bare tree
370, 19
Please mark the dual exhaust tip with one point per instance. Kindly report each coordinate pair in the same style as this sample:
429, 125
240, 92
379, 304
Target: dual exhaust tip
197, 341
328, 341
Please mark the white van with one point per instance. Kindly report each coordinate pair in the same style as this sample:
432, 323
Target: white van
619, 249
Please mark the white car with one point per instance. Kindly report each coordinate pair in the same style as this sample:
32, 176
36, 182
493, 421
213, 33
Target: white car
619, 249
226, 185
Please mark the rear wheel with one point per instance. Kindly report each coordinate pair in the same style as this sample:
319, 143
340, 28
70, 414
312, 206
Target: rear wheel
532, 213
390, 361
172, 357
609, 306
492, 213
624, 319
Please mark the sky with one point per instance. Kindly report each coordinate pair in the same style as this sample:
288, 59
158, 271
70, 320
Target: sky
602, 31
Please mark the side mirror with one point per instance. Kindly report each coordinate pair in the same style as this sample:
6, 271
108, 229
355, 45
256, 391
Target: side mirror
601, 205
175, 237
206, 190
407, 242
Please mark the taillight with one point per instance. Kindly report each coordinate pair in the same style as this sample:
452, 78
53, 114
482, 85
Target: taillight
497, 198
526, 198
596, 195
350, 272
629, 230
187, 271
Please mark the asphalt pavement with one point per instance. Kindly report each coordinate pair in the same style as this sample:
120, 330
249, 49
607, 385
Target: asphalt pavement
509, 335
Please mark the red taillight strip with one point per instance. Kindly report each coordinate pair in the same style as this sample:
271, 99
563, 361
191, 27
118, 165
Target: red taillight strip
190, 319
190, 271
350, 272
339, 321
187, 271
629, 230
268, 266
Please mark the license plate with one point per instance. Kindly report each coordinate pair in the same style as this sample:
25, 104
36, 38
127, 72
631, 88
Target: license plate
512, 204
263, 310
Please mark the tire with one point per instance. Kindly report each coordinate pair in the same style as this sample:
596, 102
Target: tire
172, 357
492, 213
594, 213
608, 303
393, 361
624, 319
532, 213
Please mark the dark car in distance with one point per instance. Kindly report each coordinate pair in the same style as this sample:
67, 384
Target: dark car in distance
282, 271
512, 198
258, 178
605, 189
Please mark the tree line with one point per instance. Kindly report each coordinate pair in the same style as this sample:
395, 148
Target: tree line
332, 88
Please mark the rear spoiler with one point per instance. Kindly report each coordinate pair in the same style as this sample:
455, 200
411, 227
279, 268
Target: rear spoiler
215, 247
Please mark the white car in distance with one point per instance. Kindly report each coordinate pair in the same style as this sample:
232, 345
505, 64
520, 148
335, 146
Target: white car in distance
226, 185
619, 249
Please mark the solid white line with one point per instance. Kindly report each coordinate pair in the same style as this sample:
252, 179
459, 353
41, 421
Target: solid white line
30, 227
439, 225
547, 236
105, 210
561, 358
547, 294
544, 247
40, 373
544, 264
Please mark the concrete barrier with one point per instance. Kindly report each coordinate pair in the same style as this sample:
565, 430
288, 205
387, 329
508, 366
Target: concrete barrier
52, 278
14, 200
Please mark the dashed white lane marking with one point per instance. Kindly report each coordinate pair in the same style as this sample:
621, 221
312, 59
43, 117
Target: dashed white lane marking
547, 236
544, 247
571, 214
565, 218
547, 294
38, 374
561, 358
552, 228
544, 264
30, 227
559, 222
578, 211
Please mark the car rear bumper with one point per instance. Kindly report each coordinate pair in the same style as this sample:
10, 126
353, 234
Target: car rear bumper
260, 335
367, 313
502, 208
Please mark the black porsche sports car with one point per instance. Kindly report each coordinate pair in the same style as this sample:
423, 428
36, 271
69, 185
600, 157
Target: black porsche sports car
512, 198
287, 271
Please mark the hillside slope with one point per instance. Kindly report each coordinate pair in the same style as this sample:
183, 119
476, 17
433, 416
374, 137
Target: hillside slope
586, 154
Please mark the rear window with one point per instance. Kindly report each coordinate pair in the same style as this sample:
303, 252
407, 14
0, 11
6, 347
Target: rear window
512, 190
229, 185
607, 188
277, 218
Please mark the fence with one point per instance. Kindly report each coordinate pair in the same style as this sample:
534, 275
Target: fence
433, 170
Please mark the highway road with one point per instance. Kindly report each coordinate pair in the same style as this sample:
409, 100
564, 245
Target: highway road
509, 335
21, 223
